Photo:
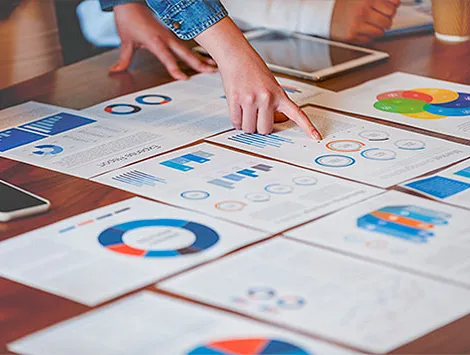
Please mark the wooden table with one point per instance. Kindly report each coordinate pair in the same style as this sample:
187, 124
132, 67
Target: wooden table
24, 310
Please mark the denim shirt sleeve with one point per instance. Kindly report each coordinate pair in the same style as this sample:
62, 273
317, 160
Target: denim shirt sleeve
107, 5
188, 18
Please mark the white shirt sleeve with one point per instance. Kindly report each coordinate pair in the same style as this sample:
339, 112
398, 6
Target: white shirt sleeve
305, 16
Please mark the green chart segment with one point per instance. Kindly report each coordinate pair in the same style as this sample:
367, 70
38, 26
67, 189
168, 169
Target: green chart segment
113, 238
252, 346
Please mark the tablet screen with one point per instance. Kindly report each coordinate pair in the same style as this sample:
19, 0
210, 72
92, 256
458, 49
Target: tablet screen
301, 54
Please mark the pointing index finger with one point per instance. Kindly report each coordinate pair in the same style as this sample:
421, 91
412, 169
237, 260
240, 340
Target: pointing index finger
295, 114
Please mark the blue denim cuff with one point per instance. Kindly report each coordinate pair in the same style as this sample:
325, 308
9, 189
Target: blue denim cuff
107, 5
188, 18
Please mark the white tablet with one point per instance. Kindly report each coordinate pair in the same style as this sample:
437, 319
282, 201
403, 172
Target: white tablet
309, 57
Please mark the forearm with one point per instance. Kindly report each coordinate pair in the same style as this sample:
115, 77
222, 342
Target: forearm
223, 40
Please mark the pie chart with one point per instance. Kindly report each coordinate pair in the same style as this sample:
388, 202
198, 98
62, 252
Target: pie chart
113, 238
252, 346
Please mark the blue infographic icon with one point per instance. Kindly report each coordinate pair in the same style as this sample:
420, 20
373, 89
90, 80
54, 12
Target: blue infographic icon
439, 186
150, 99
411, 223
195, 195
112, 238
13, 138
48, 149
335, 160
58, 123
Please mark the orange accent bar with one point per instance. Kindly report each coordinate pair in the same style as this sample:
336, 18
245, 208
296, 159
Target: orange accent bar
86, 222
402, 220
125, 249
240, 346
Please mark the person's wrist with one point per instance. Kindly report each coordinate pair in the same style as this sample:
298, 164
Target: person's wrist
223, 38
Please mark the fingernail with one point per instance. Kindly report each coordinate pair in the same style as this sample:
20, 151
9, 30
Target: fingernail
315, 135
116, 67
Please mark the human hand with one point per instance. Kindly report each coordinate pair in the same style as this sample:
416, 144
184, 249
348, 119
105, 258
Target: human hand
138, 28
362, 20
253, 94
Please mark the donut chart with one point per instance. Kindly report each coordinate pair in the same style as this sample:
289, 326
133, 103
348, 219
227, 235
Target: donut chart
425, 103
248, 346
125, 109
112, 238
161, 99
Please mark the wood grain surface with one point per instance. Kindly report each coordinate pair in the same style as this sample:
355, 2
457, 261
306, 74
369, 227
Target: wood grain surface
24, 310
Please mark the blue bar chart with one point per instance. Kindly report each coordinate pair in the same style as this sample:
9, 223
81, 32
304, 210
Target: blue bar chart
58, 123
139, 179
261, 141
181, 163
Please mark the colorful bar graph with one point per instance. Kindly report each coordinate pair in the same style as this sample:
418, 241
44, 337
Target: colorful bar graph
181, 163
248, 172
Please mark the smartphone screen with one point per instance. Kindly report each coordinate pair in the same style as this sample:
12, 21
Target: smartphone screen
12, 199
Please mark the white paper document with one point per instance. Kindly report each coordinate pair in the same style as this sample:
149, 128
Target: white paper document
189, 110
451, 185
242, 188
149, 323
101, 254
352, 148
368, 306
77, 143
194, 108
401, 230
417, 101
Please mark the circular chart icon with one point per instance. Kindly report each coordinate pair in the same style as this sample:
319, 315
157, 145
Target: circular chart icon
291, 302
305, 180
248, 346
153, 99
195, 195
113, 238
122, 109
410, 144
335, 161
230, 206
279, 189
257, 197
345, 145
374, 136
425, 103
378, 154
48, 149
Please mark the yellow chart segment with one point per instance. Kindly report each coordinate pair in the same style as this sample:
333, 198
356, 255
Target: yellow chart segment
424, 115
439, 96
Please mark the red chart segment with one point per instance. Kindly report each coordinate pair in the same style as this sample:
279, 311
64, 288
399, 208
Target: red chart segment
250, 346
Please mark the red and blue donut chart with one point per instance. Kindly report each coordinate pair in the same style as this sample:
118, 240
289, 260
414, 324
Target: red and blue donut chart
131, 109
162, 100
112, 238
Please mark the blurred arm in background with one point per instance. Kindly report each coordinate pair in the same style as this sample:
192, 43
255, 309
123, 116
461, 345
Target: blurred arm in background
342, 20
